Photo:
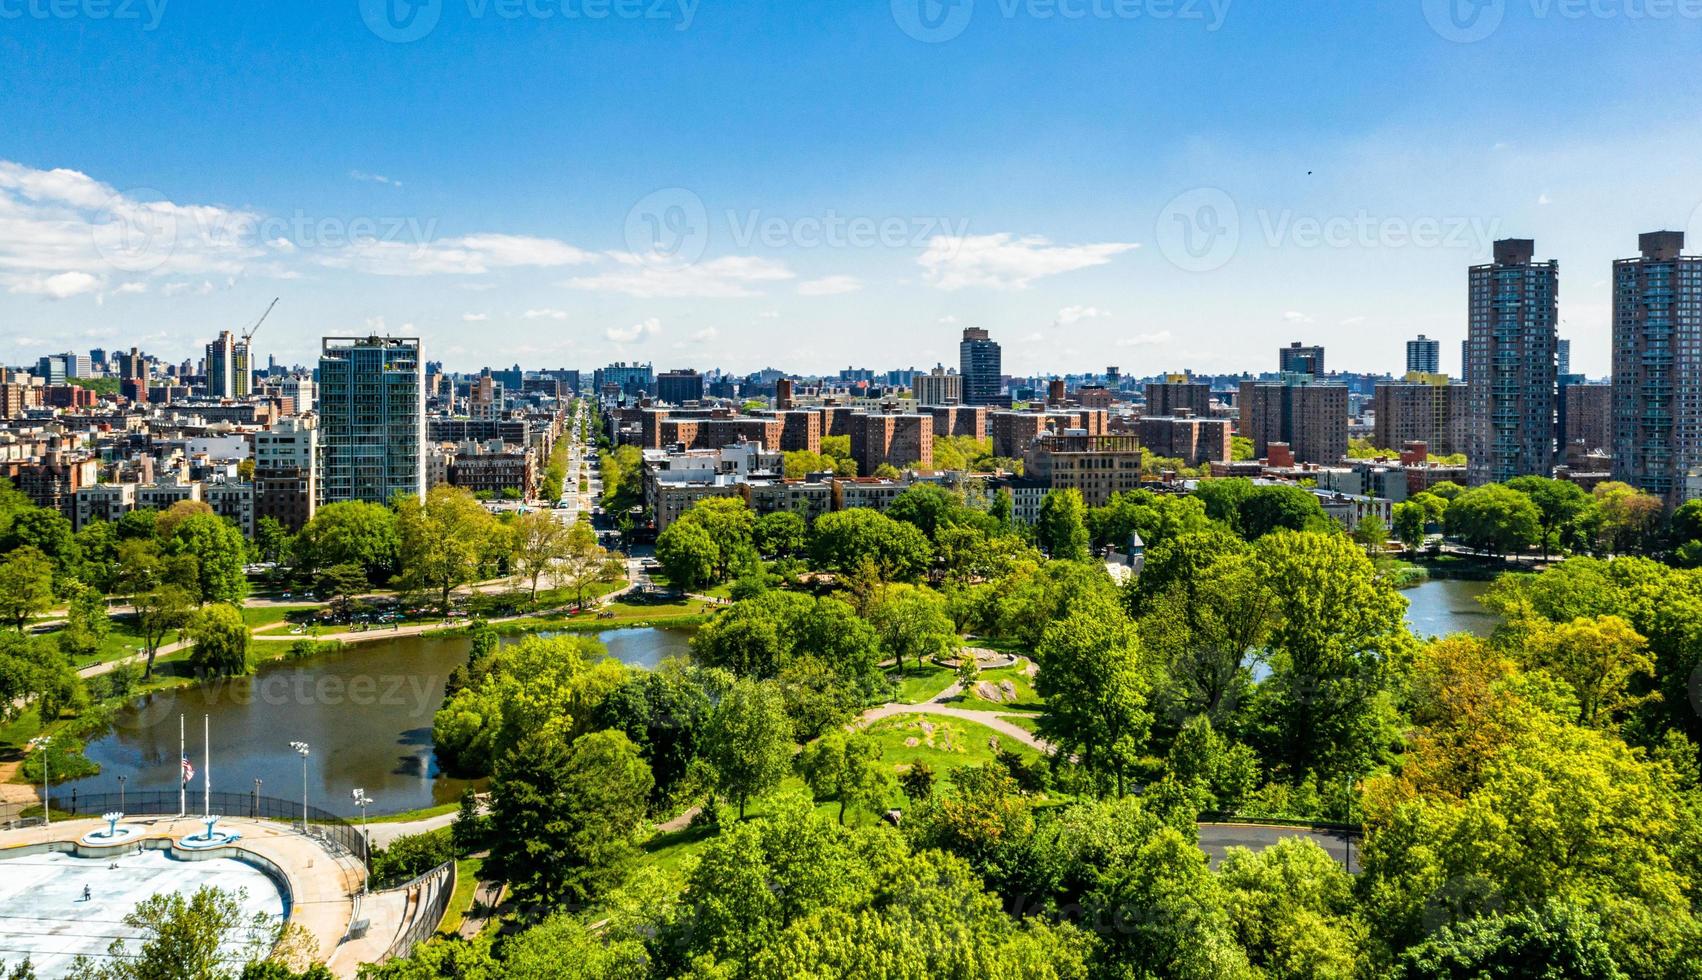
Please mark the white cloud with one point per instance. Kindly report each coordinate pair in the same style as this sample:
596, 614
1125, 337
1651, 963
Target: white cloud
1543, 200
1145, 339
475, 317
948, 319
705, 335
62, 221
544, 314
1004, 261
468, 255
374, 178
1353, 321
1295, 316
1076, 314
64, 285
725, 277
632, 334
830, 286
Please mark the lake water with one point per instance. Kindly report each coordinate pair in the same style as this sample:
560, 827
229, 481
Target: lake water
366, 714
1443, 606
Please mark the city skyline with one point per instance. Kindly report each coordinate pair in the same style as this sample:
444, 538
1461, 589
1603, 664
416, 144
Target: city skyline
796, 232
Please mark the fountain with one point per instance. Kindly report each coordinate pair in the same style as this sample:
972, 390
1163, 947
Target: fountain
207, 838
113, 834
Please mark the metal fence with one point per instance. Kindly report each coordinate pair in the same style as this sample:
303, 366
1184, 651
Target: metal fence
334, 830
429, 902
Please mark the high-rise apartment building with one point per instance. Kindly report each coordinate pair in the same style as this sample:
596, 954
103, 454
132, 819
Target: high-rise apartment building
679, 387
1297, 359
1657, 366
1424, 356
1310, 418
981, 363
941, 386
899, 441
1589, 416
1511, 366
286, 487
228, 370
1169, 398
1424, 408
371, 419
1563, 357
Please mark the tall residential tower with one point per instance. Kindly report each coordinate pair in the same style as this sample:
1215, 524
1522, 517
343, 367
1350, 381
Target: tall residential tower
371, 419
981, 364
1511, 347
1657, 366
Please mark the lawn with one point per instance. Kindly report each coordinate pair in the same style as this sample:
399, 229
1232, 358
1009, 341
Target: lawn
917, 685
1026, 698
943, 743
461, 902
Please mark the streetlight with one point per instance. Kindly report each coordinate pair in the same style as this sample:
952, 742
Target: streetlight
42, 742
362, 800
301, 750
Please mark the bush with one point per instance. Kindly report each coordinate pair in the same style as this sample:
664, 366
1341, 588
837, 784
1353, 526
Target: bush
411, 856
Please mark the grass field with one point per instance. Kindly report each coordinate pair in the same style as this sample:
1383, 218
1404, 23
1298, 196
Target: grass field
943, 743
461, 902
917, 685
1026, 700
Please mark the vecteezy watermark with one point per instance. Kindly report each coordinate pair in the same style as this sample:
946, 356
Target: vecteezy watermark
137, 231
672, 226
403, 21
937, 21
1468, 21
416, 694
1201, 230
148, 13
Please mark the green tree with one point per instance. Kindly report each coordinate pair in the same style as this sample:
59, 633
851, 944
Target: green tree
159, 612
1557, 939
1494, 518
539, 543
1095, 680
270, 539
1338, 630
49, 532
583, 562
188, 938
220, 641
1559, 503
1409, 522
688, 554
1294, 911
26, 586
913, 621
842, 541
444, 540
748, 741
220, 554
87, 624
847, 769
569, 816
781, 534
1061, 528
352, 531
339, 584
1269, 508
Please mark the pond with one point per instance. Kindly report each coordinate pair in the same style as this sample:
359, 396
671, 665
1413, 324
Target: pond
365, 713
1439, 607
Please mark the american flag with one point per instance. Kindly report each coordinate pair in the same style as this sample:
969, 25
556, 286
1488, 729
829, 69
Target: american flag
188, 771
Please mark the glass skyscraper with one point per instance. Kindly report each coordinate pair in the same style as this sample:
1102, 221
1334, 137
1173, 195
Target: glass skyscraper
371, 419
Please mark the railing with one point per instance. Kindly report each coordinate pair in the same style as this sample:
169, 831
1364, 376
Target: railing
332, 829
429, 894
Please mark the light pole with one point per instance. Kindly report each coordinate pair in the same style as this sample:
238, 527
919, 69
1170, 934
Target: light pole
362, 800
301, 750
42, 742
121, 780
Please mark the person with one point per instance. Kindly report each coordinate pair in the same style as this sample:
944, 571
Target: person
85, 893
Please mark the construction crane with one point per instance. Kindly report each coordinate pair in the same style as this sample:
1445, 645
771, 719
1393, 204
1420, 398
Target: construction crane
248, 334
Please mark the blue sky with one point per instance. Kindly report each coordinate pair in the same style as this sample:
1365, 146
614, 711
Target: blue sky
1158, 184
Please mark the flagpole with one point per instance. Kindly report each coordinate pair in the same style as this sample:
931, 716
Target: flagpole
207, 773
182, 783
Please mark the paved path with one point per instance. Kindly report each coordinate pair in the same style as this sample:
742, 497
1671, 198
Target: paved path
992, 719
